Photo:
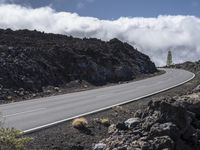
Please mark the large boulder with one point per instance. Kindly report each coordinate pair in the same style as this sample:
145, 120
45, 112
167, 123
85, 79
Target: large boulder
165, 129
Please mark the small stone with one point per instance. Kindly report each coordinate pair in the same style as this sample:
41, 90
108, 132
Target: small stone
197, 88
56, 89
163, 142
121, 126
10, 47
122, 147
144, 138
137, 132
132, 122
111, 128
48, 91
99, 146
10, 98
21, 89
85, 86
138, 114
21, 93
144, 145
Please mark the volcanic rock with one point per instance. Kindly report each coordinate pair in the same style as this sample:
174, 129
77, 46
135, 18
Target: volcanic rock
132, 122
32, 60
168, 123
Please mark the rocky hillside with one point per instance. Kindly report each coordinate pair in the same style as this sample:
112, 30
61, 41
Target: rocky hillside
31, 60
172, 123
191, 66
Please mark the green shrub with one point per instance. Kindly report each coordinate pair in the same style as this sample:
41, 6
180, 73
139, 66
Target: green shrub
11, 139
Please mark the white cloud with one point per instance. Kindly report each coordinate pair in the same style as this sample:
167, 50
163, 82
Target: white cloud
153, 36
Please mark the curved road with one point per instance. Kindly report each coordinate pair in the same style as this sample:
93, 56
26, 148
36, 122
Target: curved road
35, 114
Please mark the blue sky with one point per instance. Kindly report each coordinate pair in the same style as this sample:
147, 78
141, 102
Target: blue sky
113, 9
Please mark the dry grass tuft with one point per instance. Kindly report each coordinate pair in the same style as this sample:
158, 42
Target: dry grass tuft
119, 109
105, 122
80, 123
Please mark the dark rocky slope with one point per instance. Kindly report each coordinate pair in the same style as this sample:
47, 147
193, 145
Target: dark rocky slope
31, 60
191, 66
171, 123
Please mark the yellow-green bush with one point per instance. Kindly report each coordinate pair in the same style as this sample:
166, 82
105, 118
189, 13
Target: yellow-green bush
11, 139
105, 121
80, 123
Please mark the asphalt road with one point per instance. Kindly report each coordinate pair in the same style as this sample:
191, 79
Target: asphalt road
38, 113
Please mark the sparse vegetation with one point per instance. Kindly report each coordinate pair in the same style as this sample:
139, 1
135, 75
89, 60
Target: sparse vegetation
119, 109
105, 121
80, 123
11, 139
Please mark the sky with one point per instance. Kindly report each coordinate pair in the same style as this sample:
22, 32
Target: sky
152, 27
114, 9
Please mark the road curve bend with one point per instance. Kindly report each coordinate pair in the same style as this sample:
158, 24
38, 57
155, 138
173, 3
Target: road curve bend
36, 114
